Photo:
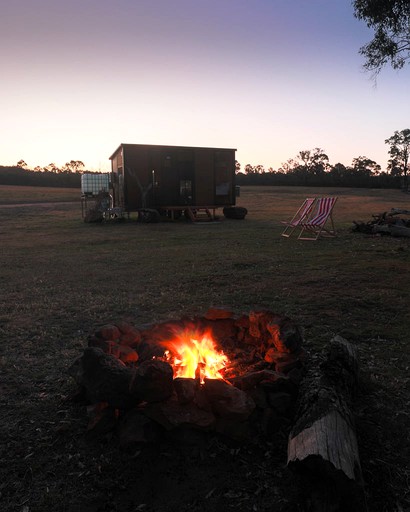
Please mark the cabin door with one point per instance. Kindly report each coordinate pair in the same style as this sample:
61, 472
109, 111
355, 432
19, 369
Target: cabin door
186, 174
174, 179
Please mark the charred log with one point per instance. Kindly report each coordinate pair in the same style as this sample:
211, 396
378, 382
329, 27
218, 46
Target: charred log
322, 446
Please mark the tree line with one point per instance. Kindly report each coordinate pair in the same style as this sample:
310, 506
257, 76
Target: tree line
308, 168
67, 176
312, 168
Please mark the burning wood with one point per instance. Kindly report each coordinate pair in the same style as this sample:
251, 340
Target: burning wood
194, 355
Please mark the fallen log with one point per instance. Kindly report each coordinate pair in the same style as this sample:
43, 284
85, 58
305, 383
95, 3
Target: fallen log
322, 445
400, 231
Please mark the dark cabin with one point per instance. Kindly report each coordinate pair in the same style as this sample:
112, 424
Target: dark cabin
168, 177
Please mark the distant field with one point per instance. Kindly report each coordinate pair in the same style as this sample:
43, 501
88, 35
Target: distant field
264, 201
61, 278
11, 194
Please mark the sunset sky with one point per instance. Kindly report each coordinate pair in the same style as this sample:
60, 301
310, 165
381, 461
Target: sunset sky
268, 77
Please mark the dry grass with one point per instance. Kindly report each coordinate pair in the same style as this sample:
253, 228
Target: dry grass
61, 278
11, 194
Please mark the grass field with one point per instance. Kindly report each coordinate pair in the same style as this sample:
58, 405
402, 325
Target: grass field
10, 194
61, 278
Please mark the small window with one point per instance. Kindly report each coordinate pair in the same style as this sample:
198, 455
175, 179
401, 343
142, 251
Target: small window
185, 188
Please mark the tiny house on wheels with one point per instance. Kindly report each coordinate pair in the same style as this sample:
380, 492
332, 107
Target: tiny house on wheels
170, 180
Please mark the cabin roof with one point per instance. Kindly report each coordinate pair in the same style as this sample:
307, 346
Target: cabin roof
125, 145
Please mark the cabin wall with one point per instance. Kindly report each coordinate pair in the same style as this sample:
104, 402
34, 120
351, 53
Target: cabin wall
161, 176
204, 177
224, 172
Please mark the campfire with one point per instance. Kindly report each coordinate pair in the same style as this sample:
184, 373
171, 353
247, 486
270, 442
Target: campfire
194, 355
244, 377
224, 373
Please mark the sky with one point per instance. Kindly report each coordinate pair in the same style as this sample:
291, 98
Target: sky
267, 77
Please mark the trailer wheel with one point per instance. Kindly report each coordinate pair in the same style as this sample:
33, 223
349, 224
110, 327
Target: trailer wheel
235, 212
148, 216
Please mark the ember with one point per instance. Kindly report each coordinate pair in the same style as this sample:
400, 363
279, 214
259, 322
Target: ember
195, 355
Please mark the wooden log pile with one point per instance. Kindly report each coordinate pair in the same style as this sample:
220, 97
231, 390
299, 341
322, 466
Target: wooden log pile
396, 222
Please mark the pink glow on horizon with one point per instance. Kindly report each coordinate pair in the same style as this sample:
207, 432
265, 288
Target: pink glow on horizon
268, 77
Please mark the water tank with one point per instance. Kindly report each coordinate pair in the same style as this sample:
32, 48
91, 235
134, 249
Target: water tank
92, 184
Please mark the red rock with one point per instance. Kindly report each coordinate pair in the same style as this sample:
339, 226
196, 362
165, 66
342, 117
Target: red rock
108, 332
171, 414
152, 381
285, 336
131, 338
106, 346
242, 322
227, 401
287, 366
102, 418
250, 380
218, 313
127, 354
105, 378
185, 389
124, 327
271, 355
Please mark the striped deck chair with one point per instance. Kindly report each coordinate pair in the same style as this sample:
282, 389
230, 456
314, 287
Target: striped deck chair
301, 215
315, 226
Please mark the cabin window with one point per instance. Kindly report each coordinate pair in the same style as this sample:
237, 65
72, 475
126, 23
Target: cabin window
223, 189
185, 189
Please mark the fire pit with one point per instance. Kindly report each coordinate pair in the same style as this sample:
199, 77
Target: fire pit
236, 375
242, 377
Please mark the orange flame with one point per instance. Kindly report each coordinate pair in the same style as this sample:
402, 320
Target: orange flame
195, 356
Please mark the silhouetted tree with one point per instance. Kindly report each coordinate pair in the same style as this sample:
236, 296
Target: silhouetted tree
52, 168
288, 166
338, 173
365, 166
76, 166
259, 169
390, 20
307, 164
22, 164
399, 152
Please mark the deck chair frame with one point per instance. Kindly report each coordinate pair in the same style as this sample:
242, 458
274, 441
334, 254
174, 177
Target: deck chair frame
301, 215
315, 226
